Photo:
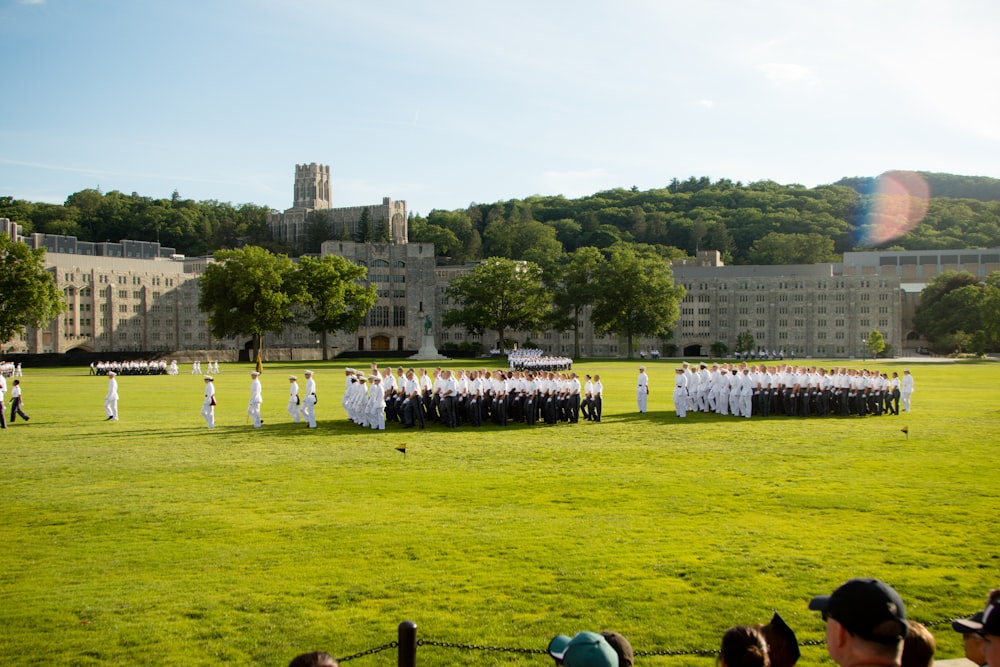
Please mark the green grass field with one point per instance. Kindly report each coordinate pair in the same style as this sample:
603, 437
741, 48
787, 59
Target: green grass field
156, 541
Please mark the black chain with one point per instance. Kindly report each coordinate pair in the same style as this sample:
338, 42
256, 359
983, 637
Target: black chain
371, 651
476, 647
533, 651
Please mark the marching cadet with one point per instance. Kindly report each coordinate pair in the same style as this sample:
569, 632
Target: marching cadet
642, 390
309, 403
208, 405
680, 392
293, 398
256, 399
16, 403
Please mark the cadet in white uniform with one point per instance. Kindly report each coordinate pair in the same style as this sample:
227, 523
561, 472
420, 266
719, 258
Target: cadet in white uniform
309, 402
293, 398
111, 398
642, 389
906, 389
256, 399
208, 405
680, 392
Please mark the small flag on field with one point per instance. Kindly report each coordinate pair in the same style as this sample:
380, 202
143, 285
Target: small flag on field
402, 448
906, 430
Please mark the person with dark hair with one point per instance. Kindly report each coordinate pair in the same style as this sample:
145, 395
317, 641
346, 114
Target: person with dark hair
744, 646
972, 641
16, 403
991, 629
782, 644
314, 659
865, 623
918, 646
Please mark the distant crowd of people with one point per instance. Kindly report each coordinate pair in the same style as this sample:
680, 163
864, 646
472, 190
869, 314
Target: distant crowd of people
10, 370
866, 625
414, 397
752, 390
533, 359
134, 367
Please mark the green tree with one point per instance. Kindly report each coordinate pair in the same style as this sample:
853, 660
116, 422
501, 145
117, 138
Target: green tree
330, 296
719, 349
29, 293
247, 292
363, 233
777, 248
954, 302
745, 342
875, 343
636, 294
498, 295
575, 288
319, 228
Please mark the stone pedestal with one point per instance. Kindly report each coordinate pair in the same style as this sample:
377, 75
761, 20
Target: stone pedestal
428, 350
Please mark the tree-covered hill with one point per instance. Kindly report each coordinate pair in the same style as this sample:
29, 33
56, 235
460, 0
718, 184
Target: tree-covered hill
762, 222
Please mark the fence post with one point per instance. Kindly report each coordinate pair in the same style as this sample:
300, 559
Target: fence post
407, 644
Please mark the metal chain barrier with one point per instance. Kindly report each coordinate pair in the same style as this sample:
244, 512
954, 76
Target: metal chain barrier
371, 651
705, 652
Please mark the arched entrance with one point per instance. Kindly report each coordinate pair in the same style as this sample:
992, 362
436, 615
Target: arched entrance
693, 351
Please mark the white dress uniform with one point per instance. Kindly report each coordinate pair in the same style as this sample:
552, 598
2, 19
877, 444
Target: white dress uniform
906, 390
293, 398
642, 390
309, 401
256, 399
111, 398
680, 393
208, 405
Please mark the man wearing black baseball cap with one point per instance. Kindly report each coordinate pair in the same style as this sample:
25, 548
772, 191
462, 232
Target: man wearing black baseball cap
865, 623
991, 629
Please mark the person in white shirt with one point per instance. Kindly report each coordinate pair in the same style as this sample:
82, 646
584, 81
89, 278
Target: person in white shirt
598, 404
16, 404
642, 390
208, 405
906, 389
111, 397
680, 392
256, 399
293, 398
309, 402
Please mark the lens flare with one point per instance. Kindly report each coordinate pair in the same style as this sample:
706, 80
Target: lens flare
896, 205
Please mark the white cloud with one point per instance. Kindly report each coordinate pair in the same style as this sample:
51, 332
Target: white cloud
785, 74
705, 104
32, 2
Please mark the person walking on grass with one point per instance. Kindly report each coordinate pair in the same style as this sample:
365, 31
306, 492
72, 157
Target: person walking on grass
111, 398
16, 403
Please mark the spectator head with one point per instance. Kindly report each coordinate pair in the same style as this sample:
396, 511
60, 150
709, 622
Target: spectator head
621, 646
744, 646
865, 622
586, 649
918, 646
782, 644
991, 629
972, 641
314, 659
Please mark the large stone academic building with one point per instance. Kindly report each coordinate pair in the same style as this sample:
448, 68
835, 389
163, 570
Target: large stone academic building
137, 296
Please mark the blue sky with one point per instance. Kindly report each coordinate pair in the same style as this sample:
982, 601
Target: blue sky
443, 103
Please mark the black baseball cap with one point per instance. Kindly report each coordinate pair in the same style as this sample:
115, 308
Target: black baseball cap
968, 626
991, 615
867, 608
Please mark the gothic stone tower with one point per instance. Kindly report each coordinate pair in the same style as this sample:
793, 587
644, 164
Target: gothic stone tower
312, 186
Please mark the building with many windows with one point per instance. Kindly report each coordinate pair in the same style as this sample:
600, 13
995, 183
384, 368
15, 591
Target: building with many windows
138, 296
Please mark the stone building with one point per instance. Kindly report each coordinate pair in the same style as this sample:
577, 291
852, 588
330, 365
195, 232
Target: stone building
312, 201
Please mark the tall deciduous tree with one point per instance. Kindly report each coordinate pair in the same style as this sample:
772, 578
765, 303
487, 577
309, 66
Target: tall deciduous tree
637, 295
575, 288
28, 293
331, 295
247, 292
499, 294
875, 343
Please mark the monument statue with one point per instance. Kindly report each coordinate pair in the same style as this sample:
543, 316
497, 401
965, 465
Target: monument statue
428, 324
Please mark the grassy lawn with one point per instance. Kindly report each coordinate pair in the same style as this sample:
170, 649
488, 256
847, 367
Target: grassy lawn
156, 541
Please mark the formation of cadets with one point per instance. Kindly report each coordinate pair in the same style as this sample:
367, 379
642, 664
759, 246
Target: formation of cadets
414, 397
9, 369
135, 367
531, 359
745, 390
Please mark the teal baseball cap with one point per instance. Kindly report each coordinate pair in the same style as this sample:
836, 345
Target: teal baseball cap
585, 649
